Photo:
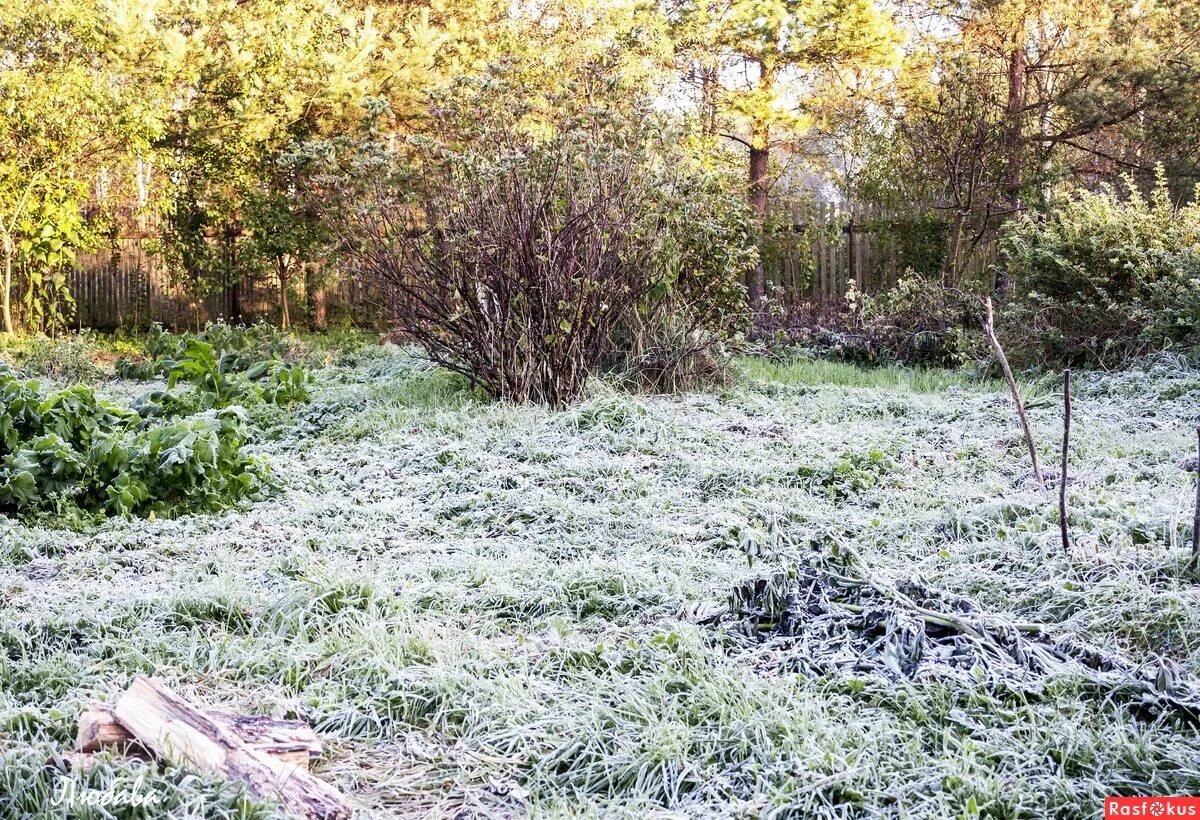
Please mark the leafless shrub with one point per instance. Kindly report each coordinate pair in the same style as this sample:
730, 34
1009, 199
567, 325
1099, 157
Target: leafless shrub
512, 267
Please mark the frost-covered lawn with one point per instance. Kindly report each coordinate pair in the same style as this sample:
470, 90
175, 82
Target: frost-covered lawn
494, 611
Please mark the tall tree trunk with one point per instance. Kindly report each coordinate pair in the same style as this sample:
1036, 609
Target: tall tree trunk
1012, 113
756, 276
284, 319
1012, 145
952, 269
233, 276
1045, 128
316, 295
235, 302
708, 100
6, 295
760, 160
316, 298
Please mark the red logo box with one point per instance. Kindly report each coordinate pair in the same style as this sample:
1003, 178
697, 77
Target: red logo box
1151, 807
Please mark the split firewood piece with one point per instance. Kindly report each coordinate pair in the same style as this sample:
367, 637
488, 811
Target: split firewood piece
98, 729
291, 741
174, 729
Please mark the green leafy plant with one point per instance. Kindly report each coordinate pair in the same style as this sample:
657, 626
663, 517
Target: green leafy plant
201, 366
166, 404
225, 364
70, 450
220, 385
193, 463
1101, 277
287, 384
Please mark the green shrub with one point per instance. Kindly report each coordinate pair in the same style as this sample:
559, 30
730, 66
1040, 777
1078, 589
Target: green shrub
222, 373
1101, 277
918, 322
679, 336
69, 450
66, 359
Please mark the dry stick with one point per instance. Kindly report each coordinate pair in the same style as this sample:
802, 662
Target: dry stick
990, 329
1062, 477
1196, 520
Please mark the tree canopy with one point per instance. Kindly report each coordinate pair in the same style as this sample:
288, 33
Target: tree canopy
188, 109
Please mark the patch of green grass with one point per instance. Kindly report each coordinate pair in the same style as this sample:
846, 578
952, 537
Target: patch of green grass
384, 389
818, 372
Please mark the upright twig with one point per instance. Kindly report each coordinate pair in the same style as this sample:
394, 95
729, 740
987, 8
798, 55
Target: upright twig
990, 329
1062, 477
1196, 518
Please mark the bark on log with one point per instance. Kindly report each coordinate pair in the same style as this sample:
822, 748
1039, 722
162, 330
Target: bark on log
174, 729
290, 741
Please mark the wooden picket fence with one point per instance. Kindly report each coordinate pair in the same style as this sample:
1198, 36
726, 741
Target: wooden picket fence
127, 285
815, 251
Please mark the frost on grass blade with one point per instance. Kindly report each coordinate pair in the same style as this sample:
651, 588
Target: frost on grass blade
493, 609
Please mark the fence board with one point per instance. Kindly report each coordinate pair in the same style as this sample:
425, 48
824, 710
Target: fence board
127, 285
858, 243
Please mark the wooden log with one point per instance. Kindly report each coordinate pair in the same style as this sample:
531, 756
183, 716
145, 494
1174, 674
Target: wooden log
174, 729
99, 730
290, 741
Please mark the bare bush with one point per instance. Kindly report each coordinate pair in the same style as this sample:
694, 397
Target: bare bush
513, 264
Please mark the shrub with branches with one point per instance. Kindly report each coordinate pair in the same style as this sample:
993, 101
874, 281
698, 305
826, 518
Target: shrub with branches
521, 248
1103, 277
511, 266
